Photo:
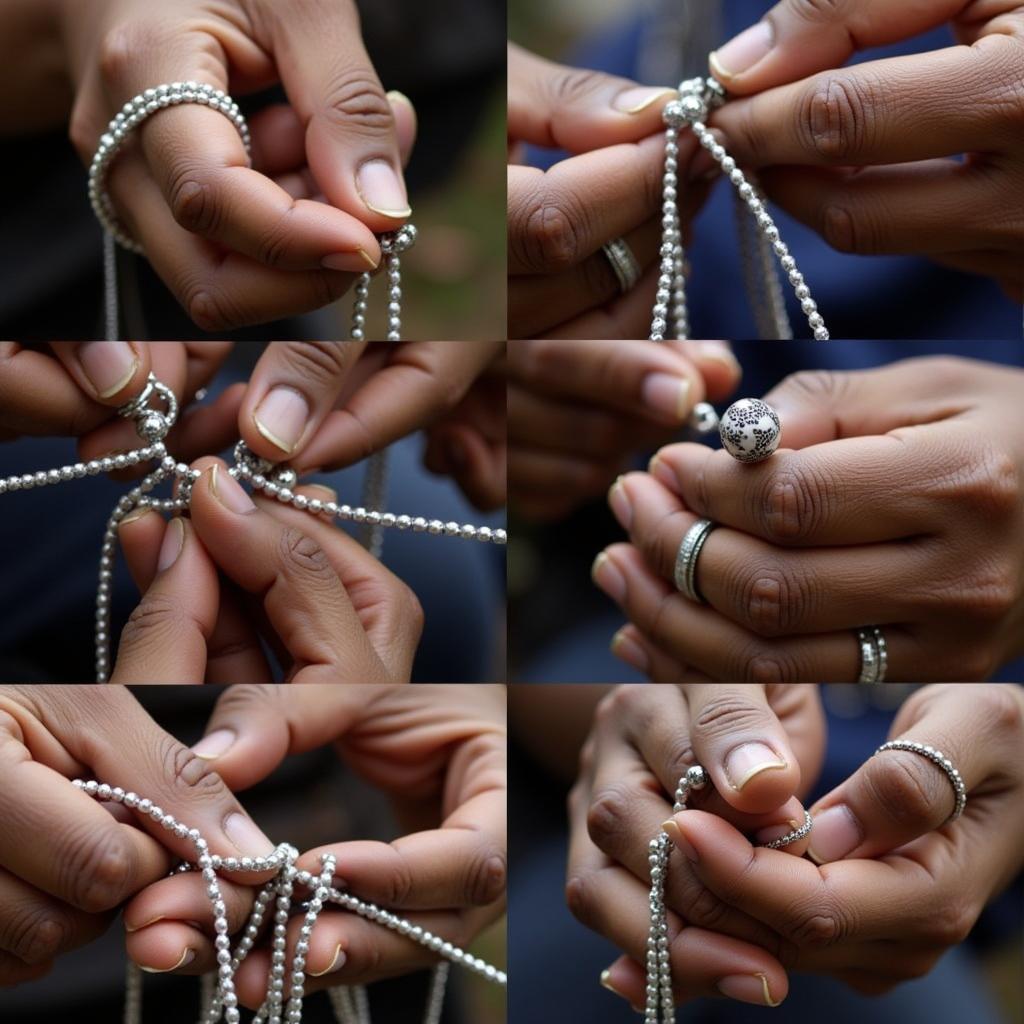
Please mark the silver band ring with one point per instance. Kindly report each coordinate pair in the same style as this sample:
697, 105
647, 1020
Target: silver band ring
623, 262
794, 836
685, 572
874, 655
937, 758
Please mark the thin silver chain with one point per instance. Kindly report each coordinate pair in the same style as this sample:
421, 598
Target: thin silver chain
274, 481
283, 1005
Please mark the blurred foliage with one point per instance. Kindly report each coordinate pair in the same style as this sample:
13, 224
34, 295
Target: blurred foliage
453, 280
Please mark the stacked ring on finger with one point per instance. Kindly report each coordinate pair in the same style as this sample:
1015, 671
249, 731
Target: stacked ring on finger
685, 572
874, 655
131, 115
943, 762
624, 263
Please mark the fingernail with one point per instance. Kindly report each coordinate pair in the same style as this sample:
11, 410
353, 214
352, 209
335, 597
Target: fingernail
216, 743
773, 832
382, 189
353, 262
606, 574
743, 52
748, 760
108, 365
145, 924
174, 541
608, 983
718, 352
394, 96
246, 837
747, 988
230, 493
336, 964
620, 504
135, 515
186, 958
328, 493
675, 833
626, 648
836, 833
667, 396
638, 98
281, 417
662, 472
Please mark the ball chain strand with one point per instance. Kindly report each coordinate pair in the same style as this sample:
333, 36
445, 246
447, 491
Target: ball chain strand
274, 481
691, 109
280, 1006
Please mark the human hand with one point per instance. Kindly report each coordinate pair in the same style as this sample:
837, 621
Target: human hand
61, 890
323, 405
877, 923
437, 751
762, 748
560, 282
875, 518
239, 244
331, 612
868, 155
579, 410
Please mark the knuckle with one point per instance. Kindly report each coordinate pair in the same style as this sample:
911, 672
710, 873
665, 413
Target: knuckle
354, 100
156, 620
850, 232
210, 309
817, 11
1003, 710
301, 556
573, 85
726, 713
837, 117
487, 875
701, 907
774, 599
582, 898
947, 922
992, 485
186, 772
95, 869
764, 664
991, 593
36, 934
793, 502
119, 52
193, 200
608, 815
550, 238
319, 362
819, 926
906, 788
82, 133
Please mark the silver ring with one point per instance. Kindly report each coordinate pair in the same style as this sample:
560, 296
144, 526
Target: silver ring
685, 572
874, 655
623, 262
794, 836
938, 758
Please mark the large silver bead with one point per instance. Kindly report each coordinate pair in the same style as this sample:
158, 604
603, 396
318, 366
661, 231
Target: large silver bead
750, 430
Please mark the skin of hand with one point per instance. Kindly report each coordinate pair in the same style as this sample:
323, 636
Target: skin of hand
879, 922
561, 284
437, 751
61, 890
580, 410
331, 612
898, 501
762, 747
239, 244
868, 155
323, 405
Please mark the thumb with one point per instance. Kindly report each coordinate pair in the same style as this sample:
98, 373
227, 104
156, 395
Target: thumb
254, 728
797, 38
822, 405
898, 795
739, 740
351, 138
111, 372
578, 110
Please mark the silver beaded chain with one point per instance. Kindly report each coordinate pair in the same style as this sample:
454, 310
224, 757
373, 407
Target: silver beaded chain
172, 94
669, 318
220, 1000
660, 1003
273, 480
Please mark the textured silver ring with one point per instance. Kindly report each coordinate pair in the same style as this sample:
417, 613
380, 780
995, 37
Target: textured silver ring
794, 836
937, 757
874, 655
623, 262
685, 573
